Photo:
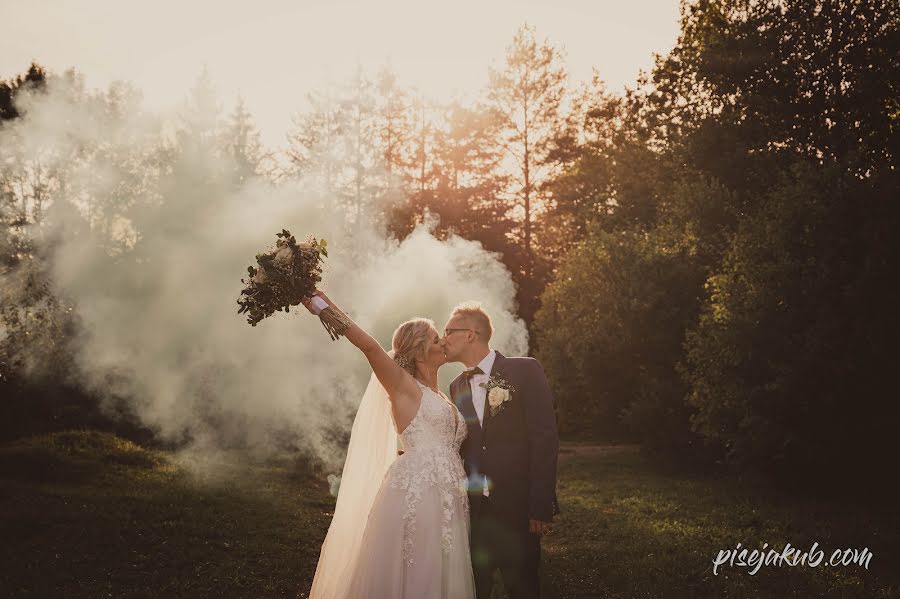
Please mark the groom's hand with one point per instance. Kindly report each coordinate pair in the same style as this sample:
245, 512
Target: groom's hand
538, 527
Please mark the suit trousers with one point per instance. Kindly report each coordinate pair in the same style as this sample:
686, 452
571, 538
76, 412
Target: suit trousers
497, 545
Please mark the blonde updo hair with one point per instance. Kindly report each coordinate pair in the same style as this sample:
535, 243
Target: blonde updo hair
410, 342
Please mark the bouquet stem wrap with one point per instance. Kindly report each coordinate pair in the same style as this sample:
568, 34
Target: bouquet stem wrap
334, 321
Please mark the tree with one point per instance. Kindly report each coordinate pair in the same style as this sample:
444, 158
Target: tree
335, 145
360, 146
241, 143
610, 330
35, 78
424, 132
528, 93
610, 177
789, 348
315, 147
200, 117
393, 130
788, 363
76, 183
466, 185
806, 77
760, 153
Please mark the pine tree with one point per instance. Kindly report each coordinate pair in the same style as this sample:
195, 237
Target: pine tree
315, 149
241, 144
528, 92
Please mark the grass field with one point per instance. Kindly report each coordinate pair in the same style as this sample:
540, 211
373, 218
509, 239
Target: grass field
92, 515
632, 529
88, 514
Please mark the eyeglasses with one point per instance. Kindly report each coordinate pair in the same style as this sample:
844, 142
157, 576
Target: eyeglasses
447, 332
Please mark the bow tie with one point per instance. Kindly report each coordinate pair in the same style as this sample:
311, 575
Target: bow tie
468, 374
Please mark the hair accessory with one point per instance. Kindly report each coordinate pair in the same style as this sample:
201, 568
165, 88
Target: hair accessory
403, 361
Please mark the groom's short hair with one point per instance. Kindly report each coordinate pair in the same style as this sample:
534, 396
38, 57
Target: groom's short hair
481, 320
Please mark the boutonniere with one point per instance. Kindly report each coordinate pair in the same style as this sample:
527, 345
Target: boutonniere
499, 391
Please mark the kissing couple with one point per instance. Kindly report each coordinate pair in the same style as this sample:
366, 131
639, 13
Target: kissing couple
438, 493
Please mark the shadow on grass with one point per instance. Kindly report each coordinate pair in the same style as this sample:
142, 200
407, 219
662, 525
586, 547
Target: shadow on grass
88, 514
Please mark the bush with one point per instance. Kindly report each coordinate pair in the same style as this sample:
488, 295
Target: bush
610, 331
790, 363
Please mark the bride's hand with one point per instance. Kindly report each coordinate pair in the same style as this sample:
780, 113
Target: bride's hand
321, 294
309, 303
393, 378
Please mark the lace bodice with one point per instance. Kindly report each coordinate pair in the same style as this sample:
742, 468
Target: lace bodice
437, 425
431, 459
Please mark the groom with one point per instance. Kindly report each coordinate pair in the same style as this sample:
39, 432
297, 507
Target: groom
510, 453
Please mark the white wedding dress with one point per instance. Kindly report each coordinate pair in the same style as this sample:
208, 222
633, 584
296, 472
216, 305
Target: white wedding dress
413, 543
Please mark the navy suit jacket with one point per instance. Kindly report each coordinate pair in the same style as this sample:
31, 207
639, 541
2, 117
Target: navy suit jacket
516, 448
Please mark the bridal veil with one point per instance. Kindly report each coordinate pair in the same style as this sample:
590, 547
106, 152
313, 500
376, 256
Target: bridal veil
372, 449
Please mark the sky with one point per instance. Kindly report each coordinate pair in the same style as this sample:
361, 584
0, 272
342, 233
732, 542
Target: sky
272, 52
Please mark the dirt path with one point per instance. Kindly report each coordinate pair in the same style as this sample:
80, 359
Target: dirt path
570, 450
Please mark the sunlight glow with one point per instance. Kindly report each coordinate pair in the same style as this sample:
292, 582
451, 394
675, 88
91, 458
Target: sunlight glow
273, 52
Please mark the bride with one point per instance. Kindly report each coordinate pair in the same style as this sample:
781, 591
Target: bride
401, 525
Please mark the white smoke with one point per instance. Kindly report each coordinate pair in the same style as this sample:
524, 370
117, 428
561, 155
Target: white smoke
151, 251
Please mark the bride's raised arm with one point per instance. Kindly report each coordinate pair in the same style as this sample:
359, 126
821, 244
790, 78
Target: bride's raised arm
395, 380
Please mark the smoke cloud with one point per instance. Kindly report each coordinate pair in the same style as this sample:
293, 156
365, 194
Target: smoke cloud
152, 232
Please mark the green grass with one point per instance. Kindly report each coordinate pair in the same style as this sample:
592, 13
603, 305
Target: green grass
630, 529
88, 514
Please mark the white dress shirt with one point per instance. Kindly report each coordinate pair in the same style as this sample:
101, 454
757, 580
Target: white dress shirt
479, 394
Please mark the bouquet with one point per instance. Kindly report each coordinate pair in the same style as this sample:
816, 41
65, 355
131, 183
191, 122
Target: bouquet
286, 277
